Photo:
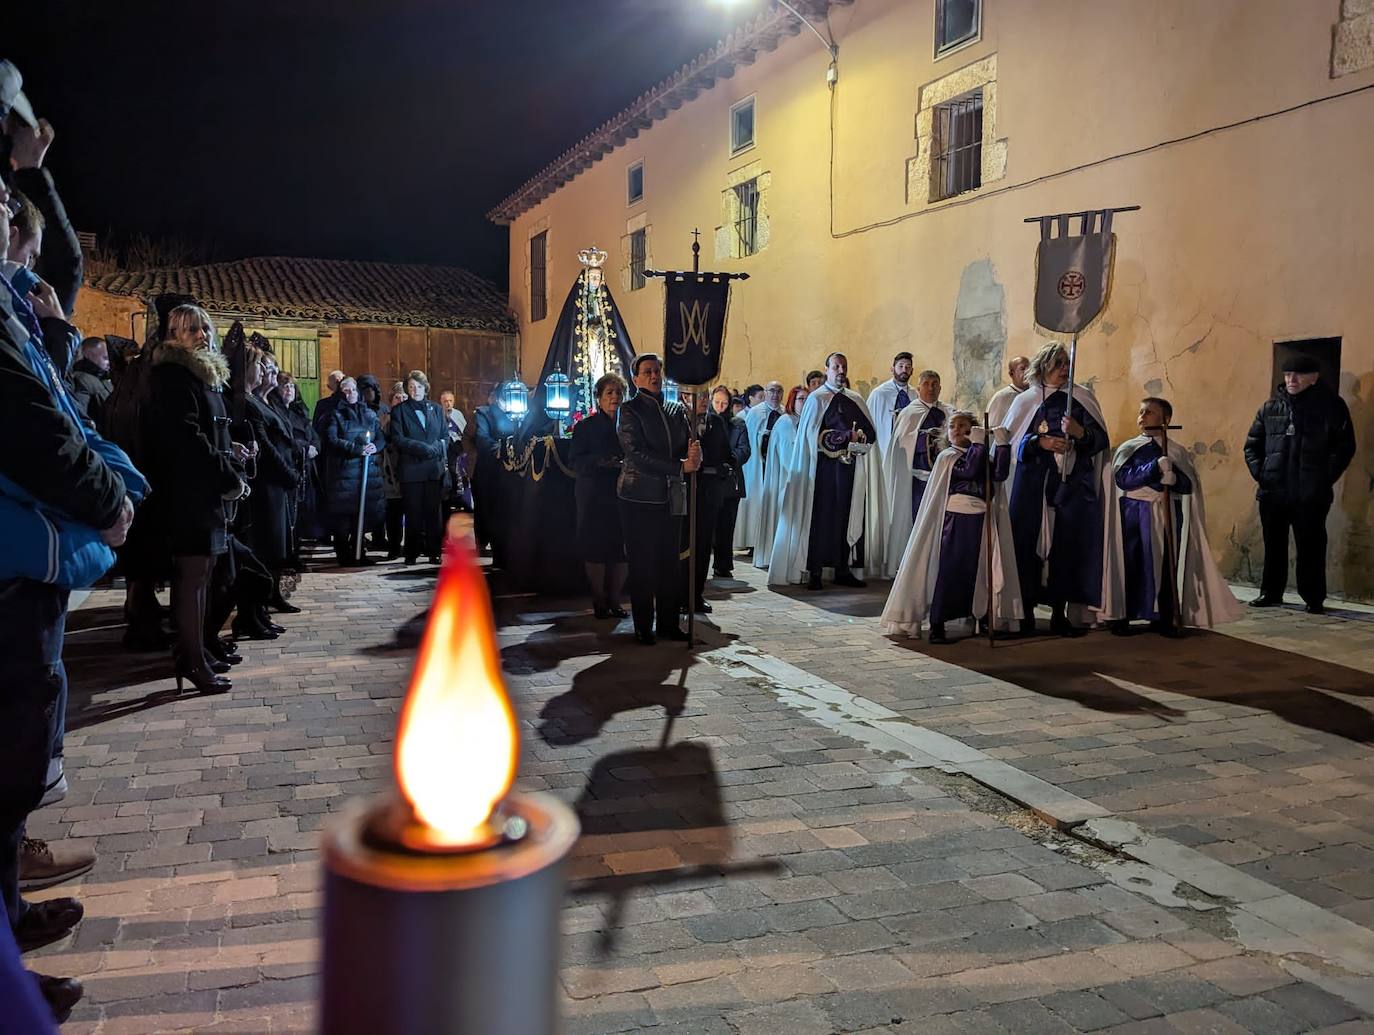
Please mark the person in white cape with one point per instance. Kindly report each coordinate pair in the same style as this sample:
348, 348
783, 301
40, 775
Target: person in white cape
889, 399
1060, 495
758, 419
1142, 536
832, 505
780, 447
908, 461
1002, 399
944, 569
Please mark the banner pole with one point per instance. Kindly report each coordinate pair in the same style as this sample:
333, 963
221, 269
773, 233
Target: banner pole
1171, 546
692, 487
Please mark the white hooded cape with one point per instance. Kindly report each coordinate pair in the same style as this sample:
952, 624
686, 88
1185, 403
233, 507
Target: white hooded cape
747, 519
790, 545
908, 604
898, 459
1206, 598
1017, 422
780, 448
1000, 404
881, 402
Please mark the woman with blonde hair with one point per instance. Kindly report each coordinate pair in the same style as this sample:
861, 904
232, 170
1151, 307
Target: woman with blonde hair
191, 465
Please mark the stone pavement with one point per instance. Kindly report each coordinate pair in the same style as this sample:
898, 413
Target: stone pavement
754, 859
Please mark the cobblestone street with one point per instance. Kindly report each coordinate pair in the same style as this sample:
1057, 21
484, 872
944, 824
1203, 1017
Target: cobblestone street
801, 828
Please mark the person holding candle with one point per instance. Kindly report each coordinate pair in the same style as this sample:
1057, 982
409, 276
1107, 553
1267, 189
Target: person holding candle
597, 458
353, 435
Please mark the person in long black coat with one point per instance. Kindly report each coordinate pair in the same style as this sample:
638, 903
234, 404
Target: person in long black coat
596, 458
307, 448
491, 427
191, 465
353, 433
419, 435
274, 489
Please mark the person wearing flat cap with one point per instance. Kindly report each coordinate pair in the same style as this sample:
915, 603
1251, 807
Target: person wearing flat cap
1298, 448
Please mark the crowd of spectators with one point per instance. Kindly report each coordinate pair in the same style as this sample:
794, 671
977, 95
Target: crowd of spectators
190, 468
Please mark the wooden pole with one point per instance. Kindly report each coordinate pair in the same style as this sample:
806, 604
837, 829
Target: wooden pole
1171, 542
692, 490
989, 450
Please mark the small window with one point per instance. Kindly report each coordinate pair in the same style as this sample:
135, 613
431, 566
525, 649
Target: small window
957, 164
747, 217
539, 276
639, 253
634, 183
742, 126
956, 22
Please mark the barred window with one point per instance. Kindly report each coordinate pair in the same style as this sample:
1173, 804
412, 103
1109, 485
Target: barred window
539, 276
747, 217
956, 22
639, 253
957, 162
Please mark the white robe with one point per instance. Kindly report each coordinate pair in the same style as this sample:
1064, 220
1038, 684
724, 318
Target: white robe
747, 517
1017, 422
881, 404
780, 448
1000, 403
908, 603
793, 539
1206, 598
898, 459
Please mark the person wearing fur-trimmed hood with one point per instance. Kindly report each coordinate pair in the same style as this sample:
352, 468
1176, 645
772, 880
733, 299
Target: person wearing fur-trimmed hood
944, 568
1142, 535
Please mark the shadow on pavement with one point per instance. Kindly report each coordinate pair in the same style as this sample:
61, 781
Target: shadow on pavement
672, 790
1207, 666
840, 600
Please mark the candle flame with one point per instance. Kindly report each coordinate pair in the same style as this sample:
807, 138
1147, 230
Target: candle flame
457, 742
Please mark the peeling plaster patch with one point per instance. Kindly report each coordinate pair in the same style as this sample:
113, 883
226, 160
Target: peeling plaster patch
1154, 386
1199, 448
1221, 448
980, 334
1109, 328
1352, 44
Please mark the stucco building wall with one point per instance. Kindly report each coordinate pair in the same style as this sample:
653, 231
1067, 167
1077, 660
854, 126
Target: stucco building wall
1247, 235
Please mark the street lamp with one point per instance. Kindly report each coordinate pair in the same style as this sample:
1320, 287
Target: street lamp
832, 48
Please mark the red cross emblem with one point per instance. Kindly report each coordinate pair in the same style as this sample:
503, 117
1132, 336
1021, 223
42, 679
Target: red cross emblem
1071, 285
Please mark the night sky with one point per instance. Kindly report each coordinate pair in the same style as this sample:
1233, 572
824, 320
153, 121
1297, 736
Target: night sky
362, 129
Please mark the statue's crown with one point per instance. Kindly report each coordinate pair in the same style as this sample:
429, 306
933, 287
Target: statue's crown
592, 257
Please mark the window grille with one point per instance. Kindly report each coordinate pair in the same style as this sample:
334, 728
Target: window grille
539, 276
639, 251
957, 164
747, 217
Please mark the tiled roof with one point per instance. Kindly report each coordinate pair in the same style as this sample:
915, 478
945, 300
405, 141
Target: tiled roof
741, 47
329, 289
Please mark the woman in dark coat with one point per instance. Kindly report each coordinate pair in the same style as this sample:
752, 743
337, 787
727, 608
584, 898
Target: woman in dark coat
274, 489
419, 435
352, 434
307, 446
190, 463
596, 458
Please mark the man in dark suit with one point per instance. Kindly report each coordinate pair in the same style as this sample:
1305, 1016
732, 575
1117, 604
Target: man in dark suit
656, 440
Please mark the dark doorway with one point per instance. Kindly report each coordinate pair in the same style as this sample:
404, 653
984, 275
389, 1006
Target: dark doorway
1326, 351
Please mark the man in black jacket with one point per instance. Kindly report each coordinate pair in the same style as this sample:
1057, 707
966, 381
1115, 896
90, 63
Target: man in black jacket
722, 537
659, 449
91, 378
491, 427
419, 436
715, 481
1299, 446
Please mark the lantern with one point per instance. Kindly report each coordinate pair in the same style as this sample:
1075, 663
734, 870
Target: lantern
557, 396
670, 392
514, 400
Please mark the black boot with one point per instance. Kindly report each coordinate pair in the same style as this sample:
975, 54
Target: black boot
937, 633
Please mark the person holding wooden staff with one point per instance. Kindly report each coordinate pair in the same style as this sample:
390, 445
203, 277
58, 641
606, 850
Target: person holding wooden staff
1160, 530
944, 572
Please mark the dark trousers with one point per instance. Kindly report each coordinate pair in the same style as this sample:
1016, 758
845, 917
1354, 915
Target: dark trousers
395, 522
33, 621
723, 537
1308, 523
710, 489
424, 510
652, 538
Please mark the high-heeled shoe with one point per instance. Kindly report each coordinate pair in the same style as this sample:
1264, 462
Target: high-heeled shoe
205, 681
223, 651
215, 665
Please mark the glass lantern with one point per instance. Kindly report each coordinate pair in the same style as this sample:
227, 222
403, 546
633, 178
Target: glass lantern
514, 400
558, 398
670, 391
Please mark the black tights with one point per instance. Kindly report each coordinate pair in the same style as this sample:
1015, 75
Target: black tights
190, 584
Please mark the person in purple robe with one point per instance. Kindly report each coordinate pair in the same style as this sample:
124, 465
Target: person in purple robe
1141, 477
928, 438
1057, 495
844, 421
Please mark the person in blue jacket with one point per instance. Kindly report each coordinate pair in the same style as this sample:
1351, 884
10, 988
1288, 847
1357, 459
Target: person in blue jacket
66, 499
